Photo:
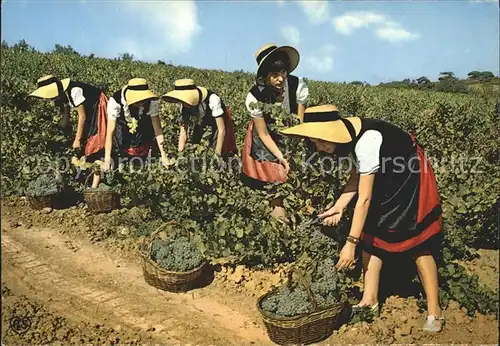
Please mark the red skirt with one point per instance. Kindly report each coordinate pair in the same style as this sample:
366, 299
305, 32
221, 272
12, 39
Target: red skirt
140, 151
420, 219
229, 147
258, 163
97, 142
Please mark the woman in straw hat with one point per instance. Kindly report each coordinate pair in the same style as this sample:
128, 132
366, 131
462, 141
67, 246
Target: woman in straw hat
90, 103
263, 159
398, 210
134, 123
203, 108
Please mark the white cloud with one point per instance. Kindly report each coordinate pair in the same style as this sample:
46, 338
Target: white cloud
351, 21
316, 11
385, 29
394, 32
281, 3
291, 35
321, 60
175, 22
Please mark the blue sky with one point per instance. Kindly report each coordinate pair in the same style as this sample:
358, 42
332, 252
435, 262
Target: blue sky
372, 41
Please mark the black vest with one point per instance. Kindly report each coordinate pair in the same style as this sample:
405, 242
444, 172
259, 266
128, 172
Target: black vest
396, 142
267, 96
396, 149
90, 105
144, 133
208, 119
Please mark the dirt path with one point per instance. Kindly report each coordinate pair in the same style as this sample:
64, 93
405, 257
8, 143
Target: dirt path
80, 281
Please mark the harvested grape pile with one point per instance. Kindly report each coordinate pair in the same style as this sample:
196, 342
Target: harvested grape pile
178, 255
44, 185
293, 300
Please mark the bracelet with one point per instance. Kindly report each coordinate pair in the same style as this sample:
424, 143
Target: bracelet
352, 239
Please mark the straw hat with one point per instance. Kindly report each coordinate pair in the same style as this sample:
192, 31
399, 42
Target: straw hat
50, 87
324, 122
137, 90
185, 90
267, 51
321, 114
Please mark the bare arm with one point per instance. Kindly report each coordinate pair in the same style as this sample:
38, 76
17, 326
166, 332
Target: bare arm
300, 111
81, 122
182, 137
333, 215
362, 205
221, 133
110, 131
158, 133
350, 190
266, 138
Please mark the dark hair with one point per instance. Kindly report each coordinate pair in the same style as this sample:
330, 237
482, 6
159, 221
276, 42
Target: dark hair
277, 62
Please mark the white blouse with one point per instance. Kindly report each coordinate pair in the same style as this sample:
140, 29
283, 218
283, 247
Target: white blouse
114, 108
302, 98
367, 152
77, 98
215, 104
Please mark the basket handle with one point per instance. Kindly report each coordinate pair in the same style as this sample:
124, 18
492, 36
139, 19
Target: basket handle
92, 172
303, 281
154, 235
87, 179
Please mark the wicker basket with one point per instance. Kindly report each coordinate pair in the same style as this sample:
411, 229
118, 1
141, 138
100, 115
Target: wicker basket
304, 329
161, 278
40, 202
101, 201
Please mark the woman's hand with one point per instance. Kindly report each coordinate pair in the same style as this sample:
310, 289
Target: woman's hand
76, 144
166, 161
346, 256
284, 163
332, 216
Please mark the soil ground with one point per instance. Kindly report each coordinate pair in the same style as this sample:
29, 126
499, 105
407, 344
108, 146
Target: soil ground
65, 281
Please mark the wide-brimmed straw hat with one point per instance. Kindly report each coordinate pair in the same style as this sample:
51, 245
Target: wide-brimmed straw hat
49, 87
321, 114
324, 122
185, 90
267, 51
137, 90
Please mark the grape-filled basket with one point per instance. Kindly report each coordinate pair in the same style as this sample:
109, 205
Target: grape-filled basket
102, 199
306, 328
44, 191
162, 278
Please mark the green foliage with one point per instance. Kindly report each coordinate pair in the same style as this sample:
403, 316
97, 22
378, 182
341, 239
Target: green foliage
177, 255
456, 284
476, 83
481, 76
64, 50
362, 314
126, 56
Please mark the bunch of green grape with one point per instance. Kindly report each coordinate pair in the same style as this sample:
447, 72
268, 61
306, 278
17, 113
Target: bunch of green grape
177, 255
